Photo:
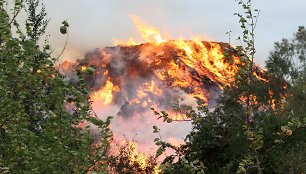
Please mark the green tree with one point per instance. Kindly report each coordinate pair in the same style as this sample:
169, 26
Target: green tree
288, 60
125, 159
258, 125
40, 111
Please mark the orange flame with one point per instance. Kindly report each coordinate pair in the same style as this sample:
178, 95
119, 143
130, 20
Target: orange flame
143, 94
205, 58
83, 68
135, 156
106, 93
177, 64
193, 53
258, 76
148, 33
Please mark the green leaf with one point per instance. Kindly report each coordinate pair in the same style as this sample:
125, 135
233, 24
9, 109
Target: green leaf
160, 151
63, 29
91, 69
65, 23
155, 129
284, 128
158, 143
196, 161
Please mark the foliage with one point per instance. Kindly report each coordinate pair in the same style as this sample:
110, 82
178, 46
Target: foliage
177, 162
286, 62
222, 141
125, 159
288, 59
40, 111
258, 126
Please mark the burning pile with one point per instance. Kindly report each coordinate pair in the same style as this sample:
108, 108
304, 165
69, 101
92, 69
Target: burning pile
156, 75
133, 77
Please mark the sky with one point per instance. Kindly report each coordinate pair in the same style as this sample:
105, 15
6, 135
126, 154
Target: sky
95, 23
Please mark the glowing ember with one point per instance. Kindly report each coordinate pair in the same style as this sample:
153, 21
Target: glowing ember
83, 68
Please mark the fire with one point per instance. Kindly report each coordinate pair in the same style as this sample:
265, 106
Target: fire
106, 93
140, 76
134, 158
156, 72
210, 62
277, 103
261, 71
83, 68
271, 100
137, 157
151, 34
176, 116
144, 94
148, 33
252, 100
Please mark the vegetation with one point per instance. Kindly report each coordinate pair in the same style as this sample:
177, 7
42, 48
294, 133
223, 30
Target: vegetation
256, 127
126, 159
41, 111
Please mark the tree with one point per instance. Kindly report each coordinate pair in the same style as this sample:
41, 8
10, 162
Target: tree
258, 125
40, 111
287, 62
288, 59
125, 159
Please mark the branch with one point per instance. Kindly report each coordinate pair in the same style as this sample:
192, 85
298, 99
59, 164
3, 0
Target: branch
232, 115
14, 14
181, 120
14, 17
64, 47
95, 162
255, 23
275, 146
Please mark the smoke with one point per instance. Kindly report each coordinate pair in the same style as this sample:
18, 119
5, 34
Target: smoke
140, 127
130, 80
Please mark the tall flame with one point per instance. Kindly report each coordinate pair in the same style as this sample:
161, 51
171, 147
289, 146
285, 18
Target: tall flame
106, 93
148, 33
193, 53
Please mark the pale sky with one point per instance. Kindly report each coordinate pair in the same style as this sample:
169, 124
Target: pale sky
95, 23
